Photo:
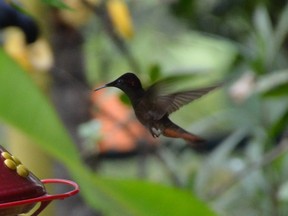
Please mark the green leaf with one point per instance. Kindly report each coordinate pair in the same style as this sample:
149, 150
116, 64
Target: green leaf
263, 23
23, 106
265, 33
278, 128
273, 84
278, 91
281, 30
159, 200
124, 99
19, 8
154, 72
57, 3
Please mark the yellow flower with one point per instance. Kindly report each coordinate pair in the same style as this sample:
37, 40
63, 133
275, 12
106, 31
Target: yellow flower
120, 17
32, 57
15, 46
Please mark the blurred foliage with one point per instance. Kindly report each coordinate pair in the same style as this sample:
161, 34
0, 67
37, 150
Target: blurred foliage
24, 107
244, 44
56, 3
219, 40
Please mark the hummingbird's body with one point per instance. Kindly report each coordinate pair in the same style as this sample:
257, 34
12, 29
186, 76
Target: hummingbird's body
152, 107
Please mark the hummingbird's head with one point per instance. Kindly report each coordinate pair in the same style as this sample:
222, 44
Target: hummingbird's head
127, 82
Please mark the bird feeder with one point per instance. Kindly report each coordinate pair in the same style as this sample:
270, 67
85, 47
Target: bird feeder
20, 190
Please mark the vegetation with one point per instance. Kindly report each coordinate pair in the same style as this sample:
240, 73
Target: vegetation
242, 43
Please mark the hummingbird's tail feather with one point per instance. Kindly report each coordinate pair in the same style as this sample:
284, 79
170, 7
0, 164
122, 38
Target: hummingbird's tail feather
169, 132
174, 131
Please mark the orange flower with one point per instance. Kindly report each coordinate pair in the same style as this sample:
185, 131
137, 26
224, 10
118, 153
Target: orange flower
120, 130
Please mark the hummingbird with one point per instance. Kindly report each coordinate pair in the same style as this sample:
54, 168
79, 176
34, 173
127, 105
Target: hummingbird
153, 106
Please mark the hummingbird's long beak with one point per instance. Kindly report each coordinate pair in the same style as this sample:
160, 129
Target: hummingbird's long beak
101, 87
111, 84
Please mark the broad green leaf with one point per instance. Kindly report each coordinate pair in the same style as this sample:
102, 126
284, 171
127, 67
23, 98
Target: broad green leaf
23, 106
159, 200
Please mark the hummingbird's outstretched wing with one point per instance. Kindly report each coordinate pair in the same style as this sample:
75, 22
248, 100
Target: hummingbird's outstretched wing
163, 104
173, 102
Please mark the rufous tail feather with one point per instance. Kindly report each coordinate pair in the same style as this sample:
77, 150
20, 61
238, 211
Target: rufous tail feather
174, 131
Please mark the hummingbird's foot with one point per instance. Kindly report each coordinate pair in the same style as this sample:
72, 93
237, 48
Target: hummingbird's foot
155, 132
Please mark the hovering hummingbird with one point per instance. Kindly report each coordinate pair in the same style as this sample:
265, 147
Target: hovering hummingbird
153, 106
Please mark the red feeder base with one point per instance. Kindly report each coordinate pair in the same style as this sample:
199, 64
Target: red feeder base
23, 206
